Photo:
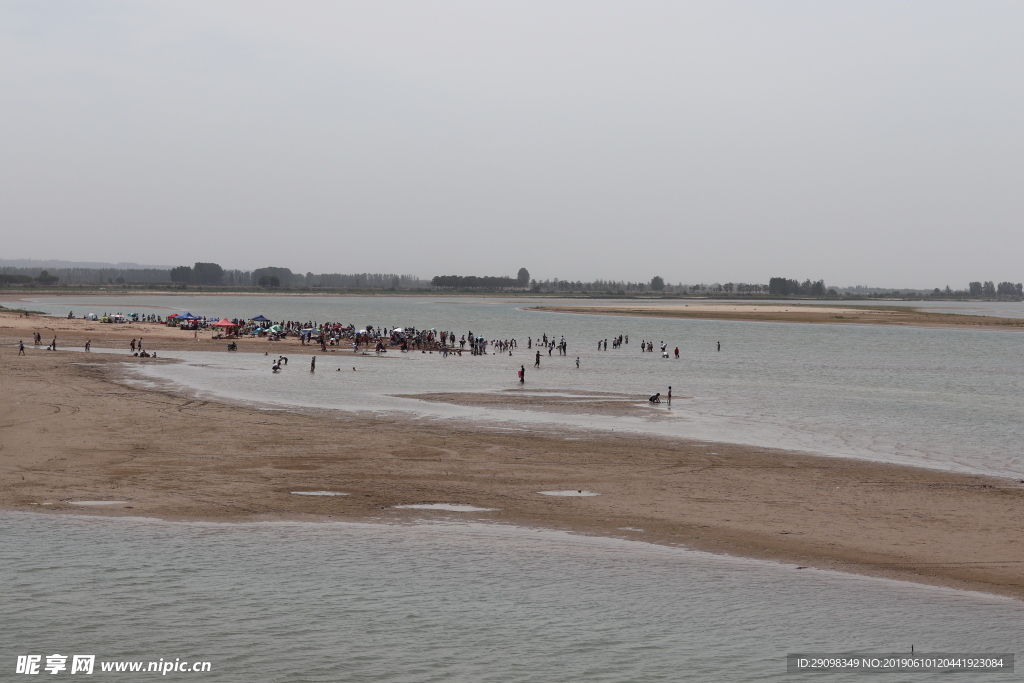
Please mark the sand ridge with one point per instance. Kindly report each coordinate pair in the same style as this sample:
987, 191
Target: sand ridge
795, 313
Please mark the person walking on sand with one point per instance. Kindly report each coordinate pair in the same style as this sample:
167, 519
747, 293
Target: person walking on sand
53, 344
88, 344
21, 348
577, 362
133, 344
312, 365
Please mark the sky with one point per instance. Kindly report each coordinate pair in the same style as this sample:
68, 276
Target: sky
875, 143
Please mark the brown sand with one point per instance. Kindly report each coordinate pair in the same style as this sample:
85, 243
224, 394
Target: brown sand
796, 313
70, 430
588, 403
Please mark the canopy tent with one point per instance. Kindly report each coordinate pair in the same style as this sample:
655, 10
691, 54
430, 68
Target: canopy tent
224, 322
260, 319
186, 316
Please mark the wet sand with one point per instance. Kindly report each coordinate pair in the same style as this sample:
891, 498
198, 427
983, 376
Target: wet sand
569, 402
72, 430
795, 313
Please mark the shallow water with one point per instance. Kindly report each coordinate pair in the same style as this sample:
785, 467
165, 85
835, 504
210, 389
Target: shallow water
945, 398
450, 602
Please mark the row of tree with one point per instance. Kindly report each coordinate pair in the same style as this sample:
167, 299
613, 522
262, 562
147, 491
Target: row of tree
990, 289
90, 276
212, 274
780, 286
521, 281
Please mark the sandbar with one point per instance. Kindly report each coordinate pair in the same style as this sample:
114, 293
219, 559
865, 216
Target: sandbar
792, 313
72, 429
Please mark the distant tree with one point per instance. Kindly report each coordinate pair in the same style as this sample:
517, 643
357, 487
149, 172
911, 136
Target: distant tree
45, 278
818, 288
975, 288
269, 281
657, 284
1020, 288
523, 277
284, 276
989, 289
778, 286
473, 282
207, 274
181, 274
119, 281
1006, 289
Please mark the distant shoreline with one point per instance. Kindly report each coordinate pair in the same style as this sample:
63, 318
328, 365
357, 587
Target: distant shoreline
18, 293
780, 312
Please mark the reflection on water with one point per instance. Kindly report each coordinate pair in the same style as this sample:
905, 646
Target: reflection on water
454, 602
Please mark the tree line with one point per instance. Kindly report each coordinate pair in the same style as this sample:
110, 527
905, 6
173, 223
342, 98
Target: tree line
521, 281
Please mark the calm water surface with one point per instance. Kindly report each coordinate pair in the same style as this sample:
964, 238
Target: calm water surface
452, 602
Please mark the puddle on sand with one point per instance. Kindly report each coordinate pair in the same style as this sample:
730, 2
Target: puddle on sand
97, 502
451, 507
318, 493
570, 492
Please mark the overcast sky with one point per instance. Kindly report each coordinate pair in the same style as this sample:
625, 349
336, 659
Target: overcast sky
859, 142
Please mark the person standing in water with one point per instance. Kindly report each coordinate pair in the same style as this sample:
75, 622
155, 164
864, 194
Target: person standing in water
719, 346
537, 362
312, 365
21, 348
522, 374
577, 362
670, 394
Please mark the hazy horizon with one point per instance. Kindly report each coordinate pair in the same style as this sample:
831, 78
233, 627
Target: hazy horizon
864, 142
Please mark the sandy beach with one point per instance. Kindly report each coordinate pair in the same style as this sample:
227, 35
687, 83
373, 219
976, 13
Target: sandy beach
793, 313
73, 430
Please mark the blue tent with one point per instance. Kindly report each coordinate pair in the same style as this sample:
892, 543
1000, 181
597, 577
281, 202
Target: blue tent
187, 316
261, 319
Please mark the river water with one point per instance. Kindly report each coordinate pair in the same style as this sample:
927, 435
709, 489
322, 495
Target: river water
467, 601
942, 398
451, 602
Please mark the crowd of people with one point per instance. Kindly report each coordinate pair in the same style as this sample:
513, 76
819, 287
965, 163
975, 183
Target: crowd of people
380, 339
